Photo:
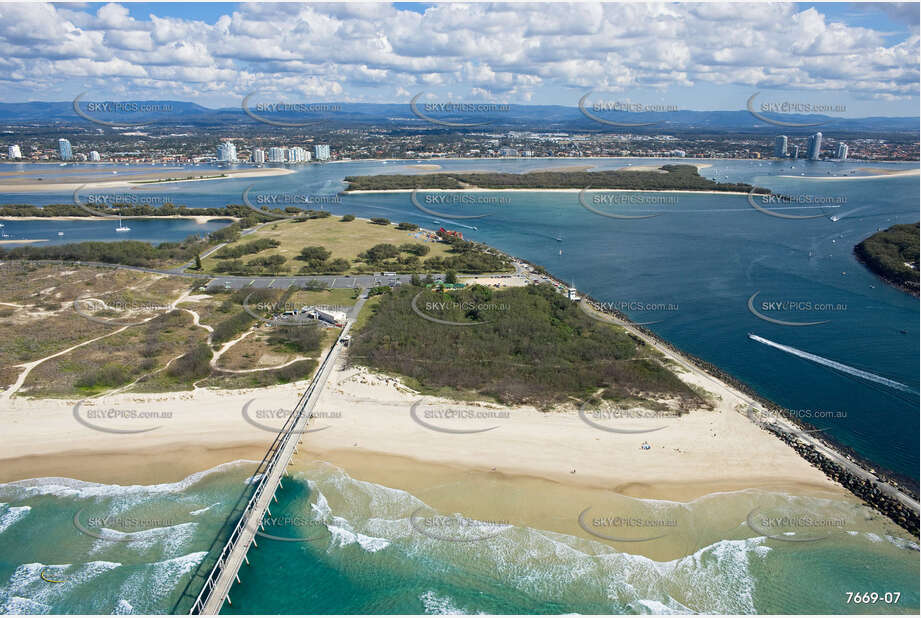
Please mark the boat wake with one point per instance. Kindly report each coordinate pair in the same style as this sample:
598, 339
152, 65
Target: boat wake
866, 375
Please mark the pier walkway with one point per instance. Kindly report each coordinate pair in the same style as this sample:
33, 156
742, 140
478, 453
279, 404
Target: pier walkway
215, 590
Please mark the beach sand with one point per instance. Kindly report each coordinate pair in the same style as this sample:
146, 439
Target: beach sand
13, 183
706, 469
196, 218
593, 190
365, 414
879, 174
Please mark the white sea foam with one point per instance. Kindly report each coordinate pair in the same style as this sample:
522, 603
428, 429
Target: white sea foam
649, 606
26, 582
148, 589
342, 536
12, 515
72, 488
23, 606
167, 540
123, 607
207, 508
441, 605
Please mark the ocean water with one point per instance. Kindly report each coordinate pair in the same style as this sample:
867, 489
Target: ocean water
347, 546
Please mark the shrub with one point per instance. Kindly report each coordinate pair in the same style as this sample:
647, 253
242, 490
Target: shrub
193, 365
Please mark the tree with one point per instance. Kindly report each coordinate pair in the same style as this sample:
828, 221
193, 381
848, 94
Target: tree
347, 218
380, 252
415, 281
415, 248
451, 277
380, 221
314, 254
407, 226
197, 261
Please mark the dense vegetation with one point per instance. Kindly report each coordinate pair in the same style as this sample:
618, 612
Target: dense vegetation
893, 254
253, 246
128, 210
465, 257
675, 177
127, 252
533, 346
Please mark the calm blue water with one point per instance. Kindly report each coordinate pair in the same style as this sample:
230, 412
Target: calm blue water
146, 230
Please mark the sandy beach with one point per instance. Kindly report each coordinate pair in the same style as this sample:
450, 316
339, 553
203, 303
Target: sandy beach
196, 218
888, 174
23, 241
480, 190
97, 181
362, 414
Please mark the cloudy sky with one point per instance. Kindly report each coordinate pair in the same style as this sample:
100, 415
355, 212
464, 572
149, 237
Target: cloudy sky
694, 56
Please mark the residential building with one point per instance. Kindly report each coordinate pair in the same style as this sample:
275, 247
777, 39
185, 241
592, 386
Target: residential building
14, 152
66, 152
780, 146
814, 148
321, 152
258, 155
94, 156
842, 152
227, 152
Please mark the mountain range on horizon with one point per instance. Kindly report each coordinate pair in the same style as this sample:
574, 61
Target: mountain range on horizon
542, 118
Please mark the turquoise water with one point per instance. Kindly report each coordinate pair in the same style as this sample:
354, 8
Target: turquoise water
364, 555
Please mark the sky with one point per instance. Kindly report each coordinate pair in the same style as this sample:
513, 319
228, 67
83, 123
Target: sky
861, 58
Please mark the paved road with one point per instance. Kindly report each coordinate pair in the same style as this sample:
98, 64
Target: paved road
331, 281
234, 282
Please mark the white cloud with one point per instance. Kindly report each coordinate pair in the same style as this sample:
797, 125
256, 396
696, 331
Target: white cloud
489, 51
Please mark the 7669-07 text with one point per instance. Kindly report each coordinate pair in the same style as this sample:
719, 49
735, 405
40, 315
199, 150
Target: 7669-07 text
873, 597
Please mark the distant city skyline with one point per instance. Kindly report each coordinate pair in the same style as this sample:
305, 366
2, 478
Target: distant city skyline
861, 59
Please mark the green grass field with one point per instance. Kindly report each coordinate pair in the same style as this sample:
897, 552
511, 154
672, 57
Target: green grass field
345, 239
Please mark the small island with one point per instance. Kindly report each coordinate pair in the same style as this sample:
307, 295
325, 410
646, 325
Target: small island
665, 178
893, 255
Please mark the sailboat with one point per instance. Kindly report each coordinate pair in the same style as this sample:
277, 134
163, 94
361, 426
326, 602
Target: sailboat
122, 227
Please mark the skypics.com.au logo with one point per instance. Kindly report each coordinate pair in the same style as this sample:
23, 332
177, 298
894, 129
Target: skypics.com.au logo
448, 109
285, 114
291, 203
773, 112
600, 111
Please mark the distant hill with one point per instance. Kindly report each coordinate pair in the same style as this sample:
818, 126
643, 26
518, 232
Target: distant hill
518, 117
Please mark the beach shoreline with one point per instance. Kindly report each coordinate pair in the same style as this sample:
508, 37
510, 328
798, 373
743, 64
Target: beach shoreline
365, 414
88, 217
481, 190
141, 180
700, 453
892, 174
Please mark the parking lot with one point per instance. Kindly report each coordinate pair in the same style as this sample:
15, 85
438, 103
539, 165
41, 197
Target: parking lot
330, 281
